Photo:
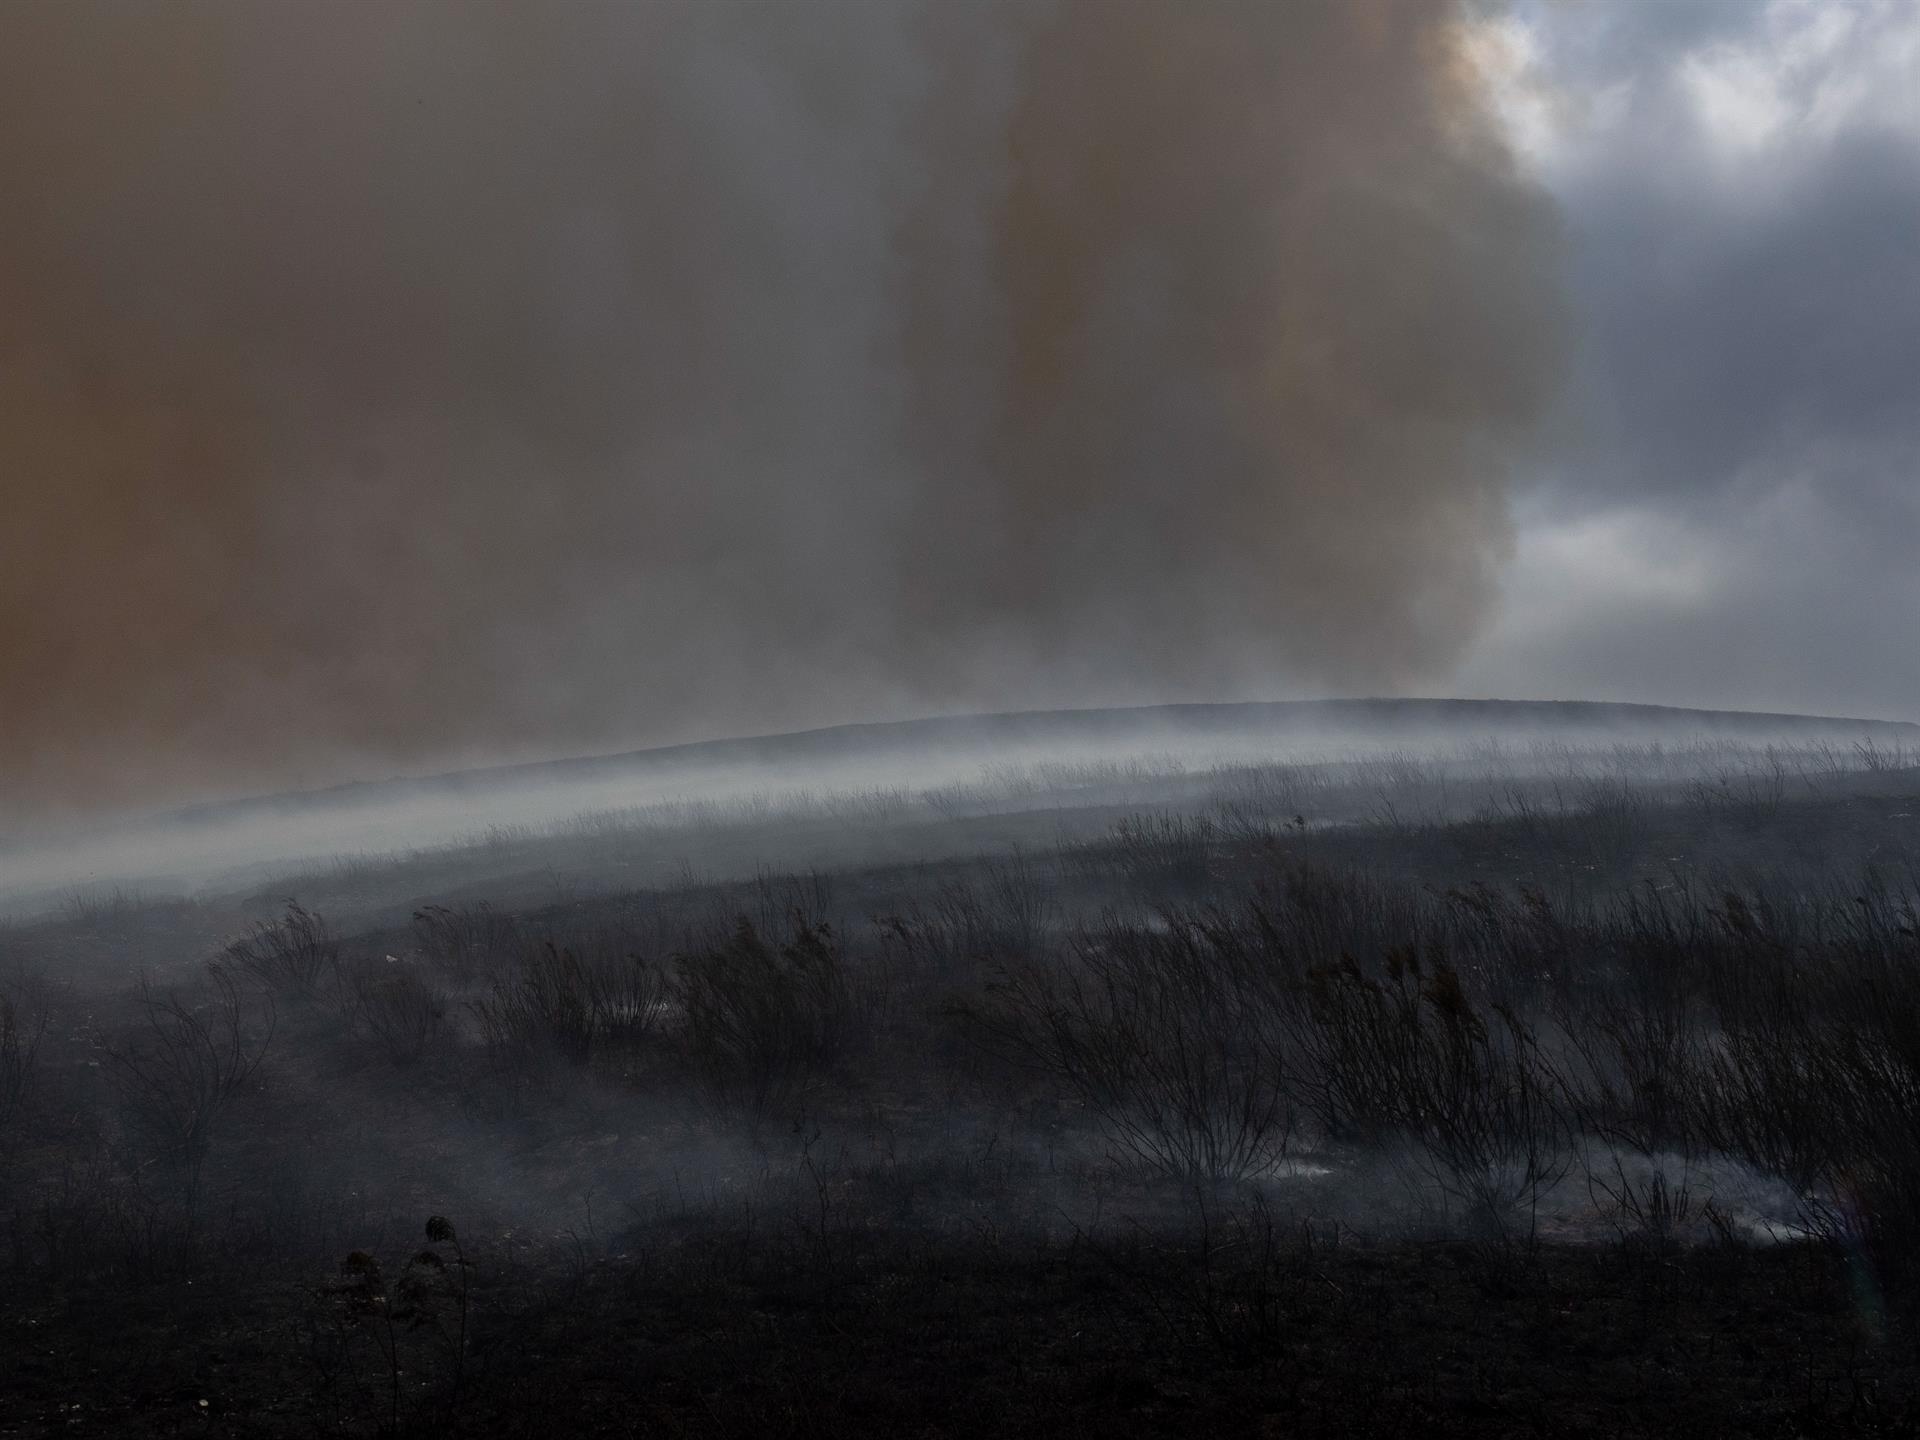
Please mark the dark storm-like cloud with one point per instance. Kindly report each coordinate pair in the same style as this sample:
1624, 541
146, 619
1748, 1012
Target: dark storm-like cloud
1744, 327
386, 385
1734, 515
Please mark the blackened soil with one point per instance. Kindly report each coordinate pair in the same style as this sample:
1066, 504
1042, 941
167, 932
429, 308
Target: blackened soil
729, 1335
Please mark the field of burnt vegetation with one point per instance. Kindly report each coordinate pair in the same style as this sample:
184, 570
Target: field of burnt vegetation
1493, 1090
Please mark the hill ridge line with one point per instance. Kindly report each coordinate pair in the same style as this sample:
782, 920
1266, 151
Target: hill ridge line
1368, 715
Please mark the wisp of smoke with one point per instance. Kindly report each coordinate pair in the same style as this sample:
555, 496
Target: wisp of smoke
415, 382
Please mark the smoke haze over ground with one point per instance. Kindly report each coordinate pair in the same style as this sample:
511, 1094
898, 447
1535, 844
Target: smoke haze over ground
385, 386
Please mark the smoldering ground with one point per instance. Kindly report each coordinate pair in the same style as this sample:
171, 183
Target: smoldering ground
1355, 1086
420, 383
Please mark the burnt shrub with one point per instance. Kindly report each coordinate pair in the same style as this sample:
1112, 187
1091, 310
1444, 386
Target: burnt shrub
570, 1004
177, 1069
392, 1003
765, 1021
465, 944
1178, 1055
297, 953
23, 1022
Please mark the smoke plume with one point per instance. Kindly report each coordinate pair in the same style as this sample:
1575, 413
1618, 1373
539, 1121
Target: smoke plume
386, 385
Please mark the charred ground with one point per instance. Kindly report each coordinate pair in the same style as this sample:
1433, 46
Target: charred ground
1478, 1082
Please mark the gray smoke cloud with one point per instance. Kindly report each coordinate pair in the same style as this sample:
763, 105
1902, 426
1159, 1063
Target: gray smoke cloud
405, 384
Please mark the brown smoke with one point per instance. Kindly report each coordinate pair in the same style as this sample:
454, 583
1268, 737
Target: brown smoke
385, 385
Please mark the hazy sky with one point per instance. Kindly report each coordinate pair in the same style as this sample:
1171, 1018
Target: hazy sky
387, 387
1731, 515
